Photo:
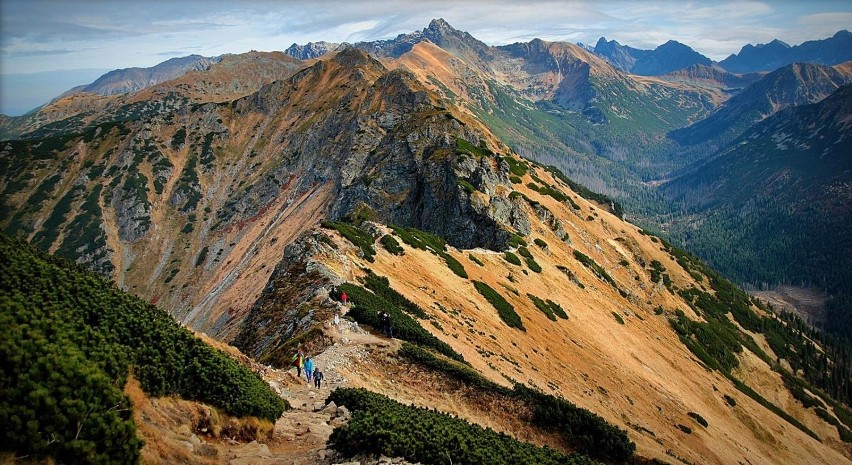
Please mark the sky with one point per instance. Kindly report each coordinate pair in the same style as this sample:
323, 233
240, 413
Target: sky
49, 46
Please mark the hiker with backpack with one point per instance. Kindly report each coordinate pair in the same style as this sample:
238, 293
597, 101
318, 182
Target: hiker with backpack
318, 376
297, 361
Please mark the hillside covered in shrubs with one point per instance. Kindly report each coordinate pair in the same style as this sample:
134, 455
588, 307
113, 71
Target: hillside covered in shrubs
68, 342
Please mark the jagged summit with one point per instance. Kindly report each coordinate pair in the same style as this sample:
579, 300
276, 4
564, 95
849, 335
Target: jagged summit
311, 49
666, 58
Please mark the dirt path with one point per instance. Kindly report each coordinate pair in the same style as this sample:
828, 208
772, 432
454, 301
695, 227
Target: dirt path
301, 434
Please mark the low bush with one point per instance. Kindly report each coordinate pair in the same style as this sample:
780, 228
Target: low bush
504, 308
598, 270
381, 286
543, 307
533, 265
69, 339
391, 245
365, 310
475, 260
381, 426
579, 428
512, 258
426, 241
354, 235
516, 168
701, 421
618, 318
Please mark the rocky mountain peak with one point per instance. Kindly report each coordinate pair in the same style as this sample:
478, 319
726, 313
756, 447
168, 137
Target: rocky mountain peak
354, 57
311, 49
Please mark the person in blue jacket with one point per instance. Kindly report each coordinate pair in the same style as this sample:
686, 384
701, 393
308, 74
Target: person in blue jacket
309, 368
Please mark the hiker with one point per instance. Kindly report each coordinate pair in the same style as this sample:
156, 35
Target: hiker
385, 321
297, 361
309, 368
343, 298
388, 326
337, 319
318, 376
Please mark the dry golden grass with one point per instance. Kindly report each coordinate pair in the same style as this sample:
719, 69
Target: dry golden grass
638, 376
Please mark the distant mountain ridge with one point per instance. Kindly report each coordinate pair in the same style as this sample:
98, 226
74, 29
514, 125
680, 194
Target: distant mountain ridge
122, 81
312, 49
666, 58
767, 57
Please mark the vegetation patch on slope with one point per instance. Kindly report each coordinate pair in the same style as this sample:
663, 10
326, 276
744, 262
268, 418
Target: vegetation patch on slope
380, 425
426, 241
579, 428
366, 307
69, 339
504, 308
357, 237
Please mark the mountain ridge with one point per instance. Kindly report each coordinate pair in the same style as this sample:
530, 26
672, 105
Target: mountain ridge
766, 57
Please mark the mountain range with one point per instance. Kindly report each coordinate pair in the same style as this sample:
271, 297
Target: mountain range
478, 195
766, 57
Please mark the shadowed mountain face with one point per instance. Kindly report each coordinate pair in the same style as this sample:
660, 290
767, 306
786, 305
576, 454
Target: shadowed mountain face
767, 57
795, 84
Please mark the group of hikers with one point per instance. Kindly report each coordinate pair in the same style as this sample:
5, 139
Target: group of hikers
306, 364
312, 372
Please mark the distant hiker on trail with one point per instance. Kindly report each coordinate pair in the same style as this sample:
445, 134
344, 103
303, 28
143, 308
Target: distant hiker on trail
318, 376
309, 368
344, 298
385, 323
337, 319
298, 360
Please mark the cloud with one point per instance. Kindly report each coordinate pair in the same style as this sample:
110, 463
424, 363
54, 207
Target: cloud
41, 53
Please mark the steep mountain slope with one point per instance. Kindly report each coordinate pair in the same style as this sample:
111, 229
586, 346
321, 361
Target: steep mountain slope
767, 57
210, 194
794, 84
664, 59
775, 189
613, 351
